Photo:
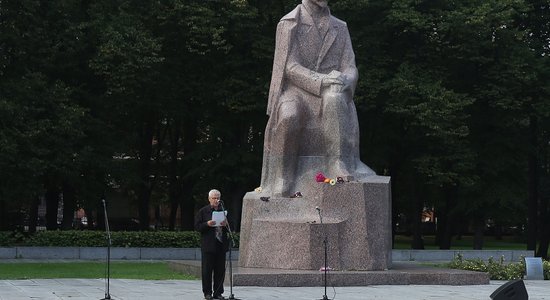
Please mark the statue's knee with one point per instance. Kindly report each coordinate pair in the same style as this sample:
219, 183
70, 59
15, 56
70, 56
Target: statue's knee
289, 122
289, 115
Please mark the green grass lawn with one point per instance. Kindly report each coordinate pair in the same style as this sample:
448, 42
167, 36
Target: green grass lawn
126, 270
489, 243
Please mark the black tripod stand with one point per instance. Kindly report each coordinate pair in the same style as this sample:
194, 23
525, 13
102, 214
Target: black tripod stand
325, 246
231, 245
108, 273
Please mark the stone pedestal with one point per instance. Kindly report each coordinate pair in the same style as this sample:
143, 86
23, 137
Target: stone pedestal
285, 233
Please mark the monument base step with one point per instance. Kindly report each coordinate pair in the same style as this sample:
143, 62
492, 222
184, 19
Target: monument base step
402, 273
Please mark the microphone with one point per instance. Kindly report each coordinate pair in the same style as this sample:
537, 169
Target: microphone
318, 208
220, 201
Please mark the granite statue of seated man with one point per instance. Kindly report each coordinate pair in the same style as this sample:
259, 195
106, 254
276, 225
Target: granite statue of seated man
313, 124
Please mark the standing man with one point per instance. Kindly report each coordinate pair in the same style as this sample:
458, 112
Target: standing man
214, 245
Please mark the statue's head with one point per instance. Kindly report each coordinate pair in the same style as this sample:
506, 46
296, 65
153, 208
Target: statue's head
320, 3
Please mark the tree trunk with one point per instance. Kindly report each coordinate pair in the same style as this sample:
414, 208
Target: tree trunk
187, 206
69, 206
545, 202
145, 185
416, 222
498, 232
545, 228
173, 215
92, 221
158, 218
3, 215
144, 198
532, 202
187, 211
441, 225
447, 230
234, 207
52, 205
545, 239
33, 214
174, 193
100, 208
479, 228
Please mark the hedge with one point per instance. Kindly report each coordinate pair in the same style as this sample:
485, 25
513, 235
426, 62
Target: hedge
497, 269
74, 238
7, 239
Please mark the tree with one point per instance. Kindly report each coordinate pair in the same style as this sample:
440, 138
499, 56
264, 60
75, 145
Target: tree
42, 127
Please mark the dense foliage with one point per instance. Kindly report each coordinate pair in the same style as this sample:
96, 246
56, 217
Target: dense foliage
72, 238
149, 104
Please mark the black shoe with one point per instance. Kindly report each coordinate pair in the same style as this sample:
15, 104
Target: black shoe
219, 297
208, 297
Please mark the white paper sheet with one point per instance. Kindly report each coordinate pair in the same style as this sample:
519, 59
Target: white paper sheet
219, 217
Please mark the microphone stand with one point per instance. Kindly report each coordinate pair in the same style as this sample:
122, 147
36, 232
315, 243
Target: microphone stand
325, 246
231, 245
107, 295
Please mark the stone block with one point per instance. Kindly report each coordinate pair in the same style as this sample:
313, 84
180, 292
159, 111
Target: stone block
302, 247
448, 255
125, 253
401, 255
93, 253
99, 253
8, 253
387, 278
47, 252
286, 232
471, 278
517, 255
336, 278
486, 254
267, 280
429, 278
298, 280
431, 255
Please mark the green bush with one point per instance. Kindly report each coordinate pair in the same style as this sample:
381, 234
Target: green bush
74, 238
498, 270
5, 238
8, 238
156, 239
546, 267
70, 238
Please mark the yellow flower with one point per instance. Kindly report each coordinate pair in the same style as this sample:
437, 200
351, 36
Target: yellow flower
258, 189
332, 182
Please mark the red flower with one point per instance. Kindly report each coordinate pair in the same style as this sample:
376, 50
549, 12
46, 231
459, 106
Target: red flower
320, 177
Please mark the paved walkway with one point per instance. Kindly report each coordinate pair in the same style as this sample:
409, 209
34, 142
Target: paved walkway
87, 289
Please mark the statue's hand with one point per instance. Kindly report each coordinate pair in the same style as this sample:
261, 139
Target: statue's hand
334, 82
335, 74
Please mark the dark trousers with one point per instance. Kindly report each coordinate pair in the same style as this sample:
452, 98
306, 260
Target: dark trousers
213, 263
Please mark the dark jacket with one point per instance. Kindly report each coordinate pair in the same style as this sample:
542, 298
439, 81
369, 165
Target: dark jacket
209, 243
